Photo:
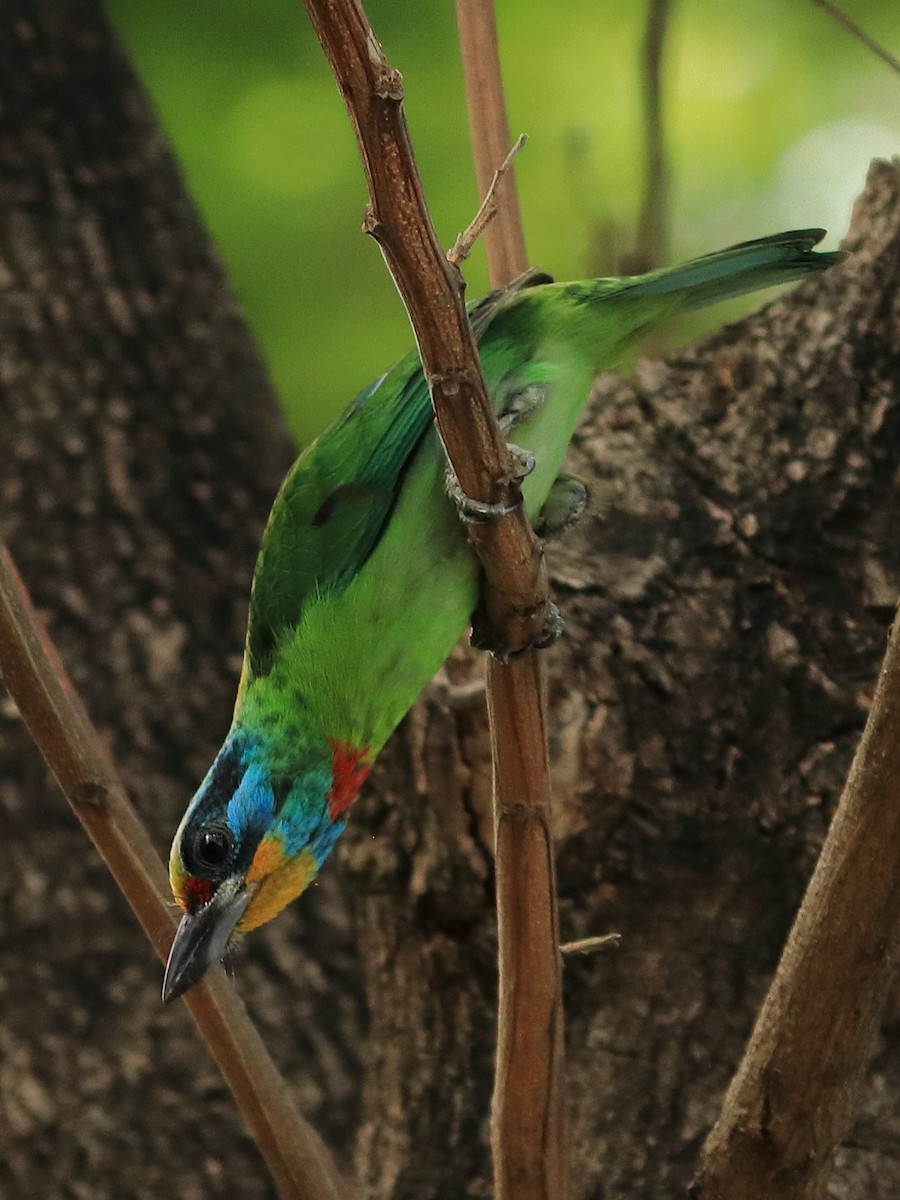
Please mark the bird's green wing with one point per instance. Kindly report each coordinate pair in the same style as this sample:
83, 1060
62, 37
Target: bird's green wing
336, 500
333, 505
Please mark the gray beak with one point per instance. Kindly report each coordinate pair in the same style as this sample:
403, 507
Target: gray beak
201, 938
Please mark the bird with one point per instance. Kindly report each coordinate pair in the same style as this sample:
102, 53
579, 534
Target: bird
365, 579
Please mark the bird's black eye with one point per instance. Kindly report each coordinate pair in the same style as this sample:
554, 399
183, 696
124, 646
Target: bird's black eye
213, 846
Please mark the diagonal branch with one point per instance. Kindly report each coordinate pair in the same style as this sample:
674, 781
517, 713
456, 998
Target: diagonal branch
517, 597
860, 34
795, 1092
529, 1087
36, 679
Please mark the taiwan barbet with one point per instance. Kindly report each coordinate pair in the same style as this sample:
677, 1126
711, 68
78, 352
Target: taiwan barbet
365, 580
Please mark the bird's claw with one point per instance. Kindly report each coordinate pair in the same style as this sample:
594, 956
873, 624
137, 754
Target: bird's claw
564, 506
482, 638
478, 512
524, 460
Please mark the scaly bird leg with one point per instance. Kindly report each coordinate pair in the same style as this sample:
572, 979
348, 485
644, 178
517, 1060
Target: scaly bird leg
476, 512
482, 638
565, 505
517, 407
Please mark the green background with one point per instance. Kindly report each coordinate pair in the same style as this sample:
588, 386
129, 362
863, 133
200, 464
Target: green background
773, 113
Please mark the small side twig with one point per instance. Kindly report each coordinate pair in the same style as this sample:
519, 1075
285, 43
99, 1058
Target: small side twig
487, 209
860, 34
36, 679
591, 945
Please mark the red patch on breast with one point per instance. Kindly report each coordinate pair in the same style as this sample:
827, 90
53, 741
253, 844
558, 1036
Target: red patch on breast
349, 770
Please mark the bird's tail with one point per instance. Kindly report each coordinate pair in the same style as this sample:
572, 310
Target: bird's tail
747, 267
605, 317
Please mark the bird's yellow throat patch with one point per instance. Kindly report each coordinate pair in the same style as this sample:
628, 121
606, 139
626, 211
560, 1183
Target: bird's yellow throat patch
278, 880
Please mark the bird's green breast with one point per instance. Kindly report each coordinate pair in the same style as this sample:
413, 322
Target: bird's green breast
359, 657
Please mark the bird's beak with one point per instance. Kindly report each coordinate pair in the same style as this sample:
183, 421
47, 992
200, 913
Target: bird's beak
201, 938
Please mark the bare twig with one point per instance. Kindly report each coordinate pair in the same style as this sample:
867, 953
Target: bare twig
652, 233
487, 110
487, 210
591, 945
36, 680
794, 1092
528, 1134
528, 1128
860, 34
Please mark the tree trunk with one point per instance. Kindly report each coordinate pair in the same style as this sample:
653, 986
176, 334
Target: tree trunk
726, 603
141, 449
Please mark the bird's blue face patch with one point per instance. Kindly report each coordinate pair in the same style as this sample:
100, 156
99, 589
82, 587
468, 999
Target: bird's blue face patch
241, 810
222, 780
304, 814
326, 836
224, 822
252, 805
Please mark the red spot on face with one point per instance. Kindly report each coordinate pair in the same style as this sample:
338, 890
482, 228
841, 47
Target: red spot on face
349, 770
194, 893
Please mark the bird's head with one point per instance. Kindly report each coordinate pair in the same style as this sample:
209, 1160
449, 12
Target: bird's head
252, 839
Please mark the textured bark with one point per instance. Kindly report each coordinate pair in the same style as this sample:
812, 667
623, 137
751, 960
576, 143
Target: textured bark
141, 447
727, 605
796, 1091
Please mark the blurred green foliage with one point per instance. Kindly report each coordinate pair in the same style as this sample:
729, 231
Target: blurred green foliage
773, 113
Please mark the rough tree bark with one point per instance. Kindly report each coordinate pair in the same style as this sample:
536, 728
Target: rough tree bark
140, 447
726, 602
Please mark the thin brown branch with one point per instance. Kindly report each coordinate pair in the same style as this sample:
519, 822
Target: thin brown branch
860, 34
794, 1093
651, 245
480, 53
528, 1127
528, 1119
517, 598
487, 210
36, 680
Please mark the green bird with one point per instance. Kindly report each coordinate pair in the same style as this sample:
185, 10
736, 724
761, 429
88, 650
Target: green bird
365, 580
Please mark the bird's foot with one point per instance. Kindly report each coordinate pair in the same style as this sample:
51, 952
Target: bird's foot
565, 505
483, 638
520, 404
477, 512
